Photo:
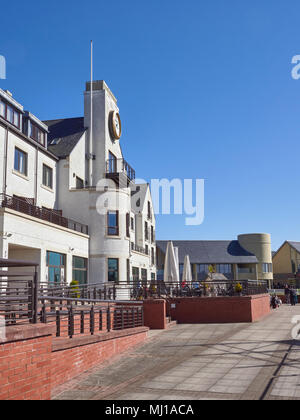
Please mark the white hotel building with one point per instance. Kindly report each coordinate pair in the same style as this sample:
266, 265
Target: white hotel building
54, 211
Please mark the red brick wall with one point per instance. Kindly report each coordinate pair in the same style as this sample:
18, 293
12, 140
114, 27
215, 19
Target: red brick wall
70, 362
33, 362
219, 309
260, 307
155, 314
25, 361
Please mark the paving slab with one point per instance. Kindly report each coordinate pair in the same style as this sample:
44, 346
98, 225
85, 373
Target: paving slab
212, 361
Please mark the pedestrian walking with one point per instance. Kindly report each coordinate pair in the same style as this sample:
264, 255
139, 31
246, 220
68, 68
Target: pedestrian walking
293, 297
287, 293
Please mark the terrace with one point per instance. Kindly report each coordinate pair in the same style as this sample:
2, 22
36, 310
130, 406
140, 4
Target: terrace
26, 206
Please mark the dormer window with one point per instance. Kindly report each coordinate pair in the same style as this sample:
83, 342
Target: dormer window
35, 133
10, 114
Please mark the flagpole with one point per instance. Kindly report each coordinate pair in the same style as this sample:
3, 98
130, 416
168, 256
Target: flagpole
91, 125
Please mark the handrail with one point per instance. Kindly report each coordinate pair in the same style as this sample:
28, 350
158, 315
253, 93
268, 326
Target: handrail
52, 216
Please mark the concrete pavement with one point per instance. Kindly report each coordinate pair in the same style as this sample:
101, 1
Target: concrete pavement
192, 362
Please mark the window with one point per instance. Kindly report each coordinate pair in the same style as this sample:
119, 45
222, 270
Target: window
16, 119
147, 250
267, 268
224, 268
132, 223
20, 164
2, 109
47, 176
112, 163
113, 270
113, 223
80, 270
135, 274
149, 210
144, 277
152, 234
79, 183
244, 269
36, 133
56, 267
146, 231
10, 114
128, 225
202, 268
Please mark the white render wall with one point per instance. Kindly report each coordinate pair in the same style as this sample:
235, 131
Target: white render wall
31, 185
39, 237
103, 104
80, 205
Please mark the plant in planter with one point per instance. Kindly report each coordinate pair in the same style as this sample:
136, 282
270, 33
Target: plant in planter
238, 288
75, 291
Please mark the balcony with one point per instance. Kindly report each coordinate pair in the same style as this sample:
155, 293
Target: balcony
120, 172
26, 206
139, 249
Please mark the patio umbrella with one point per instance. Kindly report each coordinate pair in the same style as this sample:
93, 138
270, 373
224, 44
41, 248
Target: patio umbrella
171, 273
187, 270
176, 251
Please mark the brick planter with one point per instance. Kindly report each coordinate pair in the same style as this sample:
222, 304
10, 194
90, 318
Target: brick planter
219, 309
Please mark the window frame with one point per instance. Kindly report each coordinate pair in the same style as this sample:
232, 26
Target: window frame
116, 227
20, 151
84, 269
117, 270
44, 177
7, 106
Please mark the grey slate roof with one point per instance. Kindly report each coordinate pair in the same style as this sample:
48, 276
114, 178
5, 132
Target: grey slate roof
295, 245
211, 252
64, 135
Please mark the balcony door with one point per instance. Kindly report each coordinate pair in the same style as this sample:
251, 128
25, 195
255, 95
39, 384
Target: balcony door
56, 268
112, 163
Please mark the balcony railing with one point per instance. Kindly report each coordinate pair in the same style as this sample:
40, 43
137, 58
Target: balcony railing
139, 249
118, 170
25, 206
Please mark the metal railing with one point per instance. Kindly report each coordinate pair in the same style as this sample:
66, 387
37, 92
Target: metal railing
53, 216
154, 289
139, 249
82, 291
18, 297
75, 316
120, 166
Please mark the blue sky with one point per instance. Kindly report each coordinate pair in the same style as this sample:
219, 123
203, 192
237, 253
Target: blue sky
204, 90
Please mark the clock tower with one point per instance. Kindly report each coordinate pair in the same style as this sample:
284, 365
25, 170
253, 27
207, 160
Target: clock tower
107, 127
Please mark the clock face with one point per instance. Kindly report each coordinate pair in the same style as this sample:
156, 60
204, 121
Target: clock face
115, 125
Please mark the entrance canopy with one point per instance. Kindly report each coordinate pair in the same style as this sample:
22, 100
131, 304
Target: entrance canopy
17, 263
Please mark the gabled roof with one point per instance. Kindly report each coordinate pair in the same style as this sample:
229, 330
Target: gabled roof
211, 252
293, 244
64, 135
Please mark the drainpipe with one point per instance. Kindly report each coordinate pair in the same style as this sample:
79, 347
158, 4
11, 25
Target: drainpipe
5, 162
36, 176
91, 125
